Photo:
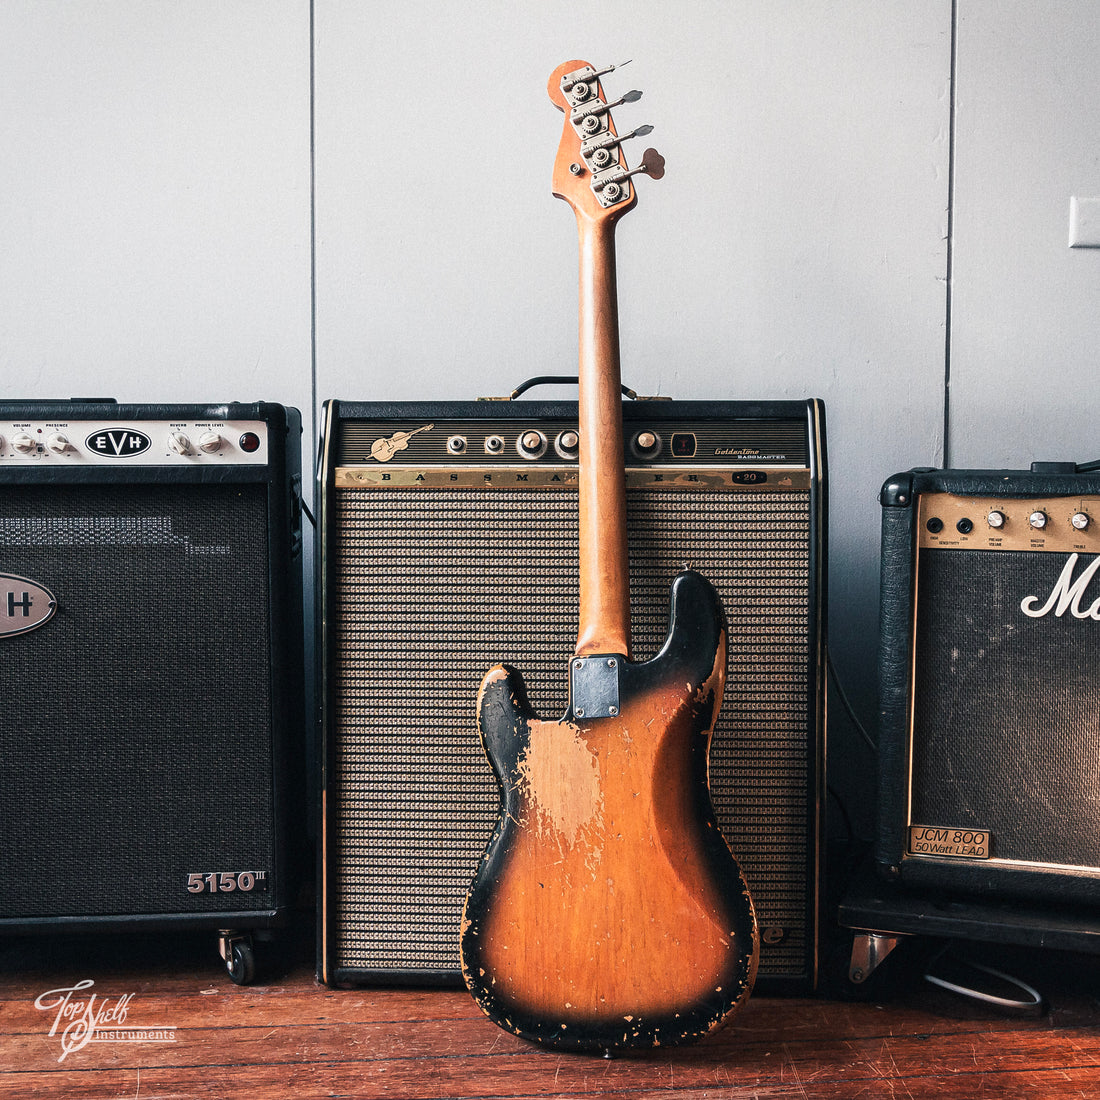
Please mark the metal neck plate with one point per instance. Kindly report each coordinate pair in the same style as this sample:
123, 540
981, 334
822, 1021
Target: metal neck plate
594, 683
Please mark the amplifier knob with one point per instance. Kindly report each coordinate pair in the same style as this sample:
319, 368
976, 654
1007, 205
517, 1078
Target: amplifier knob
1, 442
568, 444
647, 444
1038, 520
995, 519
210, 442
1080, 520
57, 443
494, 444
531, 444
457, 444
23, 443
179, 443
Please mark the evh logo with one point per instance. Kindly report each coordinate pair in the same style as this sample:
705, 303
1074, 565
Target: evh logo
118, 442
24, 605
1067, 594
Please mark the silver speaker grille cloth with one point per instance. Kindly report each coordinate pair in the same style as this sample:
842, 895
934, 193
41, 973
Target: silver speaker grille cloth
428, 589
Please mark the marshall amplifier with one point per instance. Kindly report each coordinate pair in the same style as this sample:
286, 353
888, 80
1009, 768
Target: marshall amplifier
990, 679
449, 543
150, 647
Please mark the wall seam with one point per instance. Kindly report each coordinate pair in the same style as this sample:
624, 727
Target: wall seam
312, 221
950, 259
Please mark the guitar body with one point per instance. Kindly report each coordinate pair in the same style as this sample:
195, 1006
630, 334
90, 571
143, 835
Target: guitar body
608, 911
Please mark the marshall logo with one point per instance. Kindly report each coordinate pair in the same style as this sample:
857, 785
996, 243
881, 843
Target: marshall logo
24, 605
118, 442
1067, 594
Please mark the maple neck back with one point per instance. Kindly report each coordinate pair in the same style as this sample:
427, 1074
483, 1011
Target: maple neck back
590, 174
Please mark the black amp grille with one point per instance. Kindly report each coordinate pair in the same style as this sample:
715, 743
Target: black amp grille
136, 741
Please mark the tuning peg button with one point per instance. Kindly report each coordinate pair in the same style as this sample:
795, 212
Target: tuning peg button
653, 164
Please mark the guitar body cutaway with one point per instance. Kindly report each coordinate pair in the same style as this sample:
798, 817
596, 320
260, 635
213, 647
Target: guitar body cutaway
608, 911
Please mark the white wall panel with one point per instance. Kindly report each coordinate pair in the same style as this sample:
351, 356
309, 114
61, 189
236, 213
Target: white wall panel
154, 174
1025, 319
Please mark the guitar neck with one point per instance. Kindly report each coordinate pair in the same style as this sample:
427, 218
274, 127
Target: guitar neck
604, 574
593, 178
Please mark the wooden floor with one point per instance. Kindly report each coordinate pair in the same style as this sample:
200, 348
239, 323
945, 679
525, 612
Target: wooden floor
286, 1036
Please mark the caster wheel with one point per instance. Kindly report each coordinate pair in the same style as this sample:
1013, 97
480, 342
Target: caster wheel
240, 962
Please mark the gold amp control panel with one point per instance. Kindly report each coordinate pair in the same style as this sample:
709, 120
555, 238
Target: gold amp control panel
1063, 524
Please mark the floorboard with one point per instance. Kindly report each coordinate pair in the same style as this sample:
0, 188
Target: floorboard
289, 1037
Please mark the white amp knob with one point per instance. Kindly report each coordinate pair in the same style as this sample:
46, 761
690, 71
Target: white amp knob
210, 442
179, 443
57, 443
23, 443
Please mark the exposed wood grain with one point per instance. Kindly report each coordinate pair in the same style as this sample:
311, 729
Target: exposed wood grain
604, 615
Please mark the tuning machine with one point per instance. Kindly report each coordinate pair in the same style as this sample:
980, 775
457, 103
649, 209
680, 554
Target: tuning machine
599, 152
592, 118
611, 187
581, 85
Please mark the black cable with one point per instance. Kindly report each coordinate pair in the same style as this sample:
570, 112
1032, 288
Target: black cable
860, 729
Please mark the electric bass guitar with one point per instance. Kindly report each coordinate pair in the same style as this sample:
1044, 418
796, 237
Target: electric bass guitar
608, 911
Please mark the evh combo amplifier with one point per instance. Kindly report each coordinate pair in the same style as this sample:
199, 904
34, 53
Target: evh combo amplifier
152, 668
449, 543
990, 678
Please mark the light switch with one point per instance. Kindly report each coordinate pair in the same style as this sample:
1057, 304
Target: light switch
1084, 222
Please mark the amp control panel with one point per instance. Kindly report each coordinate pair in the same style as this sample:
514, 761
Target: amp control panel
1065, 524
128, 442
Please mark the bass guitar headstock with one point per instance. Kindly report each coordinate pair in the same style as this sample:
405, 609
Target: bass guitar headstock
590, 171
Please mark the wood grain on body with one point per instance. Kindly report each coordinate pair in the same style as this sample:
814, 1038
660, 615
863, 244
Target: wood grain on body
612, 911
